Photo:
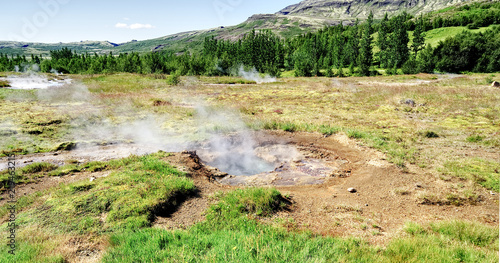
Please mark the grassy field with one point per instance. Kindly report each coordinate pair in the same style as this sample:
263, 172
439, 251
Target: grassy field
434, 36
445, 125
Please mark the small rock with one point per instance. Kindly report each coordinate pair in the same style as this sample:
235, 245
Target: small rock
410, 102
495, 84
418, 185
351, 190
92, 178
492, 193
366, 204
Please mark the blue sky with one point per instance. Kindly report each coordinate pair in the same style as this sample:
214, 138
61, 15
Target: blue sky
52, 21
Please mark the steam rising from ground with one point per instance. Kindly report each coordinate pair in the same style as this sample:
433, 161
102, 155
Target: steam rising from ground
233, 153
222, 138
34, 81
255, 76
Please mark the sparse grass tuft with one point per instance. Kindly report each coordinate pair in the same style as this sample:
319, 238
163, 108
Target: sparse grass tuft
4, 84
356, 134
483, 172
38, 167
475, 138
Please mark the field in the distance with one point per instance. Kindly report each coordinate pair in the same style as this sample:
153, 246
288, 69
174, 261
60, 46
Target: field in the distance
423, 149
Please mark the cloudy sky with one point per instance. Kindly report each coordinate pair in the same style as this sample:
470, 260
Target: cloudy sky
52, 21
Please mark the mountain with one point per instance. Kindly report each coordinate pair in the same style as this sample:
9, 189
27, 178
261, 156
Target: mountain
342, 10
306, 16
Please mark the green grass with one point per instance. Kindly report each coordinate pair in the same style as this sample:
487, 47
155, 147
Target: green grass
232, 234
130, 196
38, 167
225, 80
22, 202
475, 138
449, 241
26, 174
483, 172
434, 36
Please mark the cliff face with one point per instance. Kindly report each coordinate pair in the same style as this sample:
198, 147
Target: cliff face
352, 9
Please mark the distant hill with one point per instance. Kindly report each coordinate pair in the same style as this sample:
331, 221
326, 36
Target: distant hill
306, 16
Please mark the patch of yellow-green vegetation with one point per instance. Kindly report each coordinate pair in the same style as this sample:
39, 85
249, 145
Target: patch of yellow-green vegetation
483, 172
455, 195
4, 83
137, 189
129, 197
25, 174
30, 126
38, 244
122, 83
225, 80
447, 107
34, 245
21, 203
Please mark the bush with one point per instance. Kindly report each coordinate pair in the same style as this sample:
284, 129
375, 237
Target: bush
410, 66
174, 79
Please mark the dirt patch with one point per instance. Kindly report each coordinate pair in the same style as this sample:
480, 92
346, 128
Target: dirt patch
385, 198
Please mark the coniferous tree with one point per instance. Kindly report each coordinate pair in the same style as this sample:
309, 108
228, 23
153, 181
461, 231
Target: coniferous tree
365, 55
382, 42
418, 36
398, 42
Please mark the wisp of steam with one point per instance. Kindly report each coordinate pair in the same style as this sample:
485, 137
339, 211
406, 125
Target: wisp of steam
30, 79
231, 146
255, 76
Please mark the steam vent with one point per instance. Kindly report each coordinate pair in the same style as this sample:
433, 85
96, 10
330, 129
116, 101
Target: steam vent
267, 160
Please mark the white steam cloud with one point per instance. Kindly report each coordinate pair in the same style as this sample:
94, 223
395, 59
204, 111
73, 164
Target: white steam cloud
255, 76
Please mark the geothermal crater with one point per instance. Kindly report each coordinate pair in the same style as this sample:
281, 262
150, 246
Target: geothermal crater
269, 160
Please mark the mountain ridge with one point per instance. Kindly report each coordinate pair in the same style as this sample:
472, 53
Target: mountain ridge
303, 17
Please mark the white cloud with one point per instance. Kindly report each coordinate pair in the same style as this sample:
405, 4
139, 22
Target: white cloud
141, 26
121, 25
134, 26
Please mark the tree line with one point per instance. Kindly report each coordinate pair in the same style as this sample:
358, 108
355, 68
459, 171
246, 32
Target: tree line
332, 51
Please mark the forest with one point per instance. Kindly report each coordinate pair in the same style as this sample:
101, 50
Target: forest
338, 50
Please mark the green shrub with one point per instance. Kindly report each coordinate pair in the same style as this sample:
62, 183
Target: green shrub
174, 79
475, 138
